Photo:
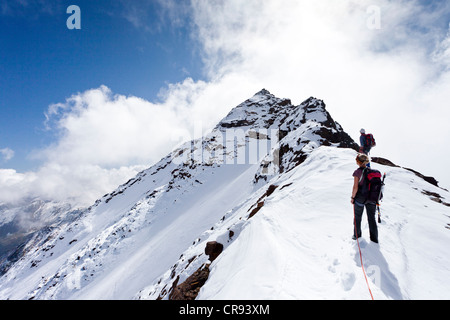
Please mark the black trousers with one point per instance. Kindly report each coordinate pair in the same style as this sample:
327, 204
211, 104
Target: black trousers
371, 211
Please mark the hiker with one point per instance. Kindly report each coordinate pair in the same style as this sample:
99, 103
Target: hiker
359, 202
366, 142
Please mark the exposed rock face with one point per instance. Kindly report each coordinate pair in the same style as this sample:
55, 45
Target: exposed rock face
213, 249
189, 289
260, 203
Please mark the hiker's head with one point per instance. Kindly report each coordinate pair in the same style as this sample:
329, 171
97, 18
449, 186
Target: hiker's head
362, 159
362, 131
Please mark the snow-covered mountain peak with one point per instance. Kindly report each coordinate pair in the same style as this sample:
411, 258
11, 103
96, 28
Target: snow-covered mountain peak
262, 92
261, 111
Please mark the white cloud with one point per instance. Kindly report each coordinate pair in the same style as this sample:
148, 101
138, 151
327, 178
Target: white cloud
155, 15
442, 53
97, 127
393, 81
7, 154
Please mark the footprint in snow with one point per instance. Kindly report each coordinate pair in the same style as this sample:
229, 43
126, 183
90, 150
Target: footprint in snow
332, 268
347, 281
362, 243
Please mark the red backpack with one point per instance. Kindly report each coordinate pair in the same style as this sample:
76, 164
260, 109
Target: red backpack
370, 140
372, 186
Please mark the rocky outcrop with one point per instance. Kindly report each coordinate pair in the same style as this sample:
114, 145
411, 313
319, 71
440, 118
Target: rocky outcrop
189, 289
213, 250
260, 203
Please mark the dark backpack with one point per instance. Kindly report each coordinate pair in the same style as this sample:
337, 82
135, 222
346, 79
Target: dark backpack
371, 190
370, 140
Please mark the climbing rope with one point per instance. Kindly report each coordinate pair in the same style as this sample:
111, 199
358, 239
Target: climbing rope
360, 256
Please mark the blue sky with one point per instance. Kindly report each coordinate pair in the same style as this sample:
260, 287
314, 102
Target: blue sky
97, 105
43, 62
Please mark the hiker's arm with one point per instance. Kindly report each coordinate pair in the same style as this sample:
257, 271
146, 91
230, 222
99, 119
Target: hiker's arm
355, 188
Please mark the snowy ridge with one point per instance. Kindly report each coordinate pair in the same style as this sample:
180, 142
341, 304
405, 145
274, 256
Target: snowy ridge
298, 245
270, 184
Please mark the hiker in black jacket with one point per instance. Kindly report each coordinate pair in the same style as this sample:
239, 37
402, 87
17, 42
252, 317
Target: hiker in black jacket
358, 204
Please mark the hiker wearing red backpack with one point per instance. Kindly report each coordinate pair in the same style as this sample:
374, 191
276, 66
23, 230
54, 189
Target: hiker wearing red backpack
367, 142
363, 196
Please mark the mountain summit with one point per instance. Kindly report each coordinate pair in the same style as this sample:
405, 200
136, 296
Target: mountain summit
259, 208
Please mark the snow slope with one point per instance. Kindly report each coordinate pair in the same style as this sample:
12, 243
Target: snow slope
299, 246
90, 259
283, 217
